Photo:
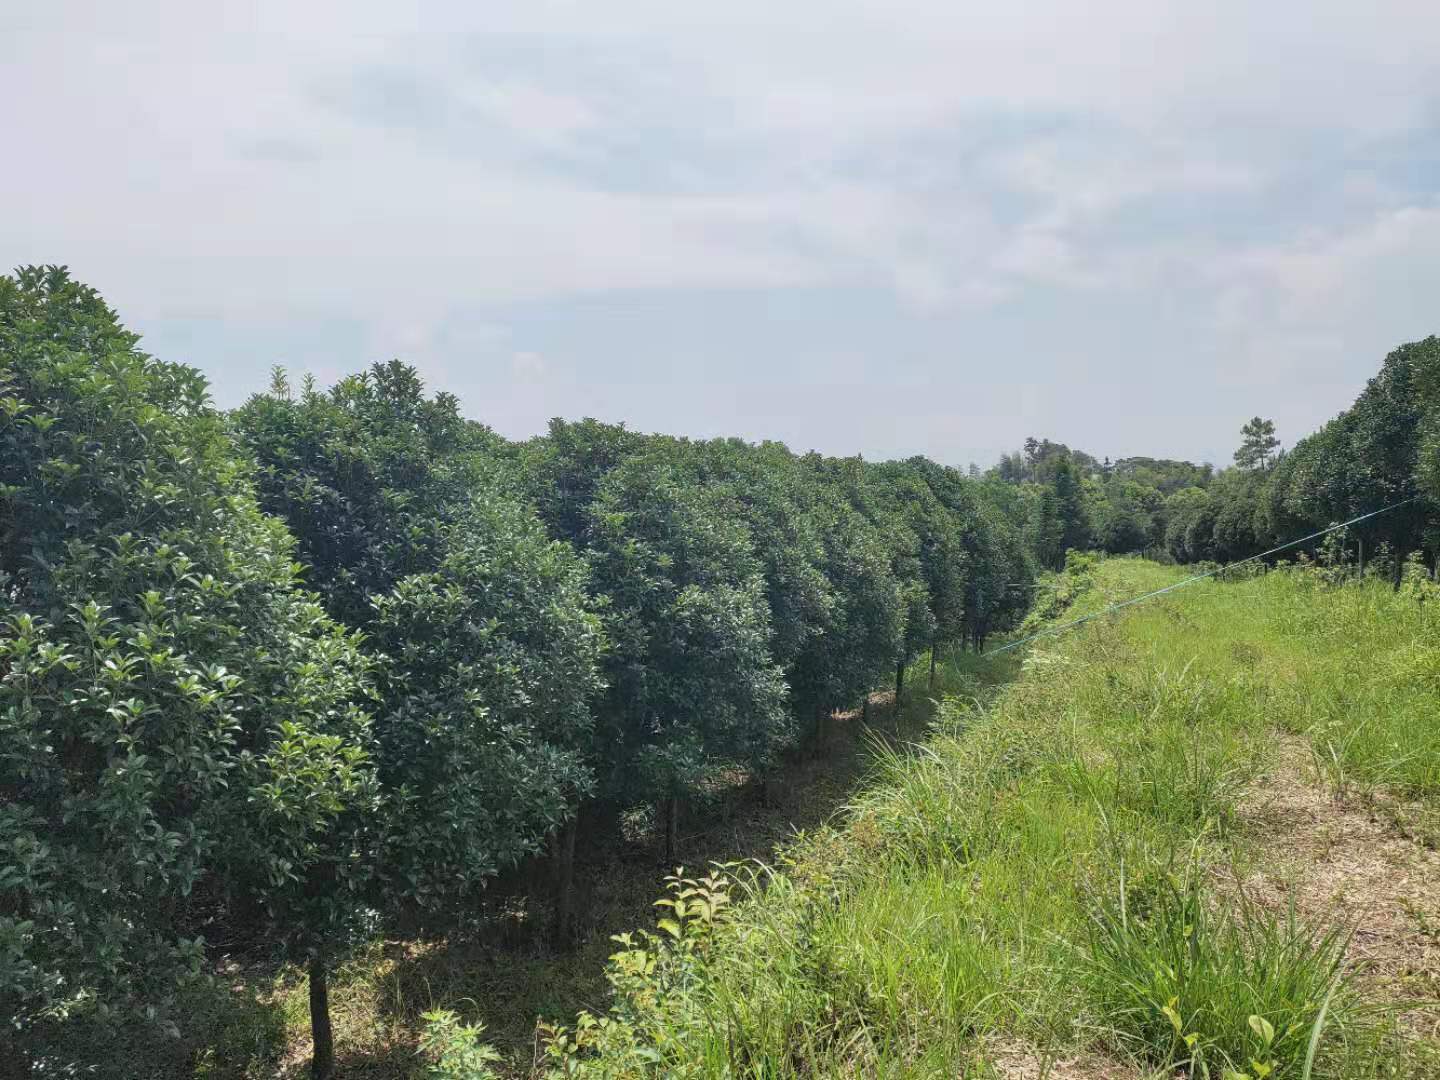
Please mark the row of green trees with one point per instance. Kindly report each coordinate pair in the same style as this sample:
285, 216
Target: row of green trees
1381, 454
343, 656
1384, 451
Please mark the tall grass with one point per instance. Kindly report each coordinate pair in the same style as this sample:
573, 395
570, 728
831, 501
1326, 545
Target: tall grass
1216, 988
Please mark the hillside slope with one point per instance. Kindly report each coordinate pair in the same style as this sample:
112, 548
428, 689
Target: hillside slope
1196, 837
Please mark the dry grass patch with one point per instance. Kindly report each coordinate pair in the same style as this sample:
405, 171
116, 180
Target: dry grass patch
1340, 861
1015, 1059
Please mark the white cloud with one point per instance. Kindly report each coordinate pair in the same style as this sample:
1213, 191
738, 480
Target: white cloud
411, 169
188, 109
529, 111
1323, 277
528, 365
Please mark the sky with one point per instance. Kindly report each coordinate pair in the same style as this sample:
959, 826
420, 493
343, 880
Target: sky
915, 226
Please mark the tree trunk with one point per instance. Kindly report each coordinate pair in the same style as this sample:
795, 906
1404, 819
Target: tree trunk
933, 649
672, 825
322, 1064
565, 881
899, 684
865, 708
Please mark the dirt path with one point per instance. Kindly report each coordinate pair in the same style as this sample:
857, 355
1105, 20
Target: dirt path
1016, 1060
1342, 862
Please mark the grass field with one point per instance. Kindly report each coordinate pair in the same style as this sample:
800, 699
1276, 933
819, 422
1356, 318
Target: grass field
1195, 838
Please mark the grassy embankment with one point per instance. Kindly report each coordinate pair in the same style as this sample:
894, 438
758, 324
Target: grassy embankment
1197, 837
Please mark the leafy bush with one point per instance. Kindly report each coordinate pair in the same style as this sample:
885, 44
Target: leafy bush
457, 1050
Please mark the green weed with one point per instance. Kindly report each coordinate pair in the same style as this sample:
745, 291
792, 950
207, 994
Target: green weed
1214, 985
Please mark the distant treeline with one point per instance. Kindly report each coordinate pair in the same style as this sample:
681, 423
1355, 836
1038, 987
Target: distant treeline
1383, 450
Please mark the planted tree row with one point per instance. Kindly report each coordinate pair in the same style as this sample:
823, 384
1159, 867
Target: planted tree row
341, 657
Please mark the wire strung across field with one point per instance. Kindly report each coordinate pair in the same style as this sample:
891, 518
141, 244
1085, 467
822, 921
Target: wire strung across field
1197, 577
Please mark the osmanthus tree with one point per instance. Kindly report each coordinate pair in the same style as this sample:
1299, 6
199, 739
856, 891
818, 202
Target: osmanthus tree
485, 643
1238, 532
784, 514
1369, 457
562, 470
368, 475
693, 687
179, 726
1002, 570
866, 629
837, 612
1384, 429
487, 665
991, 567
940, 526
877, 493
1427, 467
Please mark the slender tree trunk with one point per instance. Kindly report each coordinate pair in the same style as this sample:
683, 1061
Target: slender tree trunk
934, 648
899, 684
322, 1064
565, 880
672, 825
865, 707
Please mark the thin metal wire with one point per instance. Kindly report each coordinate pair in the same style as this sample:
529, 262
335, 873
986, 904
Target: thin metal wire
1197, 577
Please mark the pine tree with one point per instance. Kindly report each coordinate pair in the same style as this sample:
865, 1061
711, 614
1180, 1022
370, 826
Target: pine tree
1259, 444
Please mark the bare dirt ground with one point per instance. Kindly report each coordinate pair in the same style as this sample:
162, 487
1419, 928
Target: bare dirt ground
1340, 859
1016, 1060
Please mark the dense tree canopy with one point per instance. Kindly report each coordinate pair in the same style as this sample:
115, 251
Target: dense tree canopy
181, 724
486, 646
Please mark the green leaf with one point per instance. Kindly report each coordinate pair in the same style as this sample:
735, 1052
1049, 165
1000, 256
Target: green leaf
1263, 1028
